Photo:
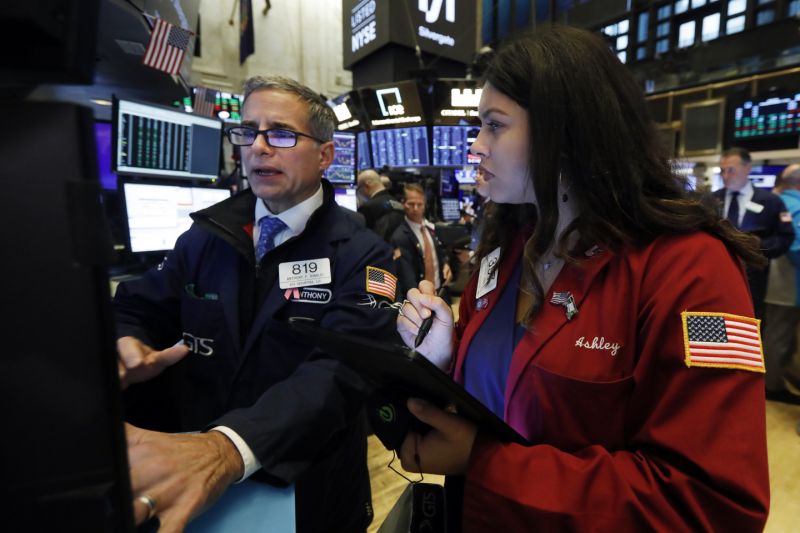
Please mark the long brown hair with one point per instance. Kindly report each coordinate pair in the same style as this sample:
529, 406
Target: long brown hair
590, 127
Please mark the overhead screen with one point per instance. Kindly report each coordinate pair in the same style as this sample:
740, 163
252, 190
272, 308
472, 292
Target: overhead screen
364, 156
162, 142
451, 145
770, 117
400, 147
343, 168
158, 214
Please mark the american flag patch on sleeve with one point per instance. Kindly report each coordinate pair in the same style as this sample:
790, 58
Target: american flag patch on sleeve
381, 282
721, 340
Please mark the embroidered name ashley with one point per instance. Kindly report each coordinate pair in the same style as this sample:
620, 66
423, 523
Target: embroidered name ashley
598, 343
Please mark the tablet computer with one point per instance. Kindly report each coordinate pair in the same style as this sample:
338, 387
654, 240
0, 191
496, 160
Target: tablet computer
402, 369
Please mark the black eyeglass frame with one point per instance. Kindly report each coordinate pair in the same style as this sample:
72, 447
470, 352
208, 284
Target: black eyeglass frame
266, 132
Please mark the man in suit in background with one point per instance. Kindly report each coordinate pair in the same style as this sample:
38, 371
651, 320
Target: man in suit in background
382, 211
754, 211
418, 253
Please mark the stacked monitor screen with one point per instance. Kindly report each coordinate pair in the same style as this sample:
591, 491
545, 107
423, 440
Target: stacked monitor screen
157, 214
400, 147
364, 159
163, 142
346, 198
451, 145
772, 117
343, 167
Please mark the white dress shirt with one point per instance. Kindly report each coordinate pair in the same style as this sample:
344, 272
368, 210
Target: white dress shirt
417, 229
744, 198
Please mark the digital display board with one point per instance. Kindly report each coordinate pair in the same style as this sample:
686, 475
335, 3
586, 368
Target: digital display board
395, 104
158, 141
772, 117
364, 159
451, 145
350, 115
400, 147
455, 101
343, 167
158, 214
102, 139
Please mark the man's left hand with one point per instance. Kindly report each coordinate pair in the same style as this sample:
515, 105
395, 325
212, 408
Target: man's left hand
182, 474
445, 449
448, 274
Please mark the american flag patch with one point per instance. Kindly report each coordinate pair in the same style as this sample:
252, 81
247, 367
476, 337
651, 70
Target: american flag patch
721, 340
381, 282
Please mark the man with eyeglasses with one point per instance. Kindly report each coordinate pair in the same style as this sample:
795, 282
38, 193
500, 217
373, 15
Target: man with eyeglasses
264, 403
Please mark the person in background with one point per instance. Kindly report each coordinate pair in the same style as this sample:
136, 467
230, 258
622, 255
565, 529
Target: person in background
754, 211
418, 253
382, 211
782, 310
259, 403
596, 321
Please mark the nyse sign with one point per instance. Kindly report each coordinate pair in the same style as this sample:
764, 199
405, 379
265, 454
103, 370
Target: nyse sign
363, 25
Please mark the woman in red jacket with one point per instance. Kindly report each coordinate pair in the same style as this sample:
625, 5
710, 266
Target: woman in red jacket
608, 320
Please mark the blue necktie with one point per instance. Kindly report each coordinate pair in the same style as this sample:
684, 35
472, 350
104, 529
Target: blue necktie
733, 209
270, 226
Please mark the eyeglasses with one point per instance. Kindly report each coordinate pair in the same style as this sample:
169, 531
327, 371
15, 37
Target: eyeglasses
277, 138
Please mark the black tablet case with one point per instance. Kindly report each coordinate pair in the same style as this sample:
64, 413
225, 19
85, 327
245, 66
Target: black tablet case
404, 373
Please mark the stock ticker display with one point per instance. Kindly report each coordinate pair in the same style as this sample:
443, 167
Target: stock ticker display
400, 147
451, 145
767, 118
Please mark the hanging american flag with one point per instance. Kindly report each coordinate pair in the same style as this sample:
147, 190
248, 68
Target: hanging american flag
167, 47
381, 282
723, 341
205, 100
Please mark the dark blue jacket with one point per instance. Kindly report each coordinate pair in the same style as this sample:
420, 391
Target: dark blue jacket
773, 227
300, 414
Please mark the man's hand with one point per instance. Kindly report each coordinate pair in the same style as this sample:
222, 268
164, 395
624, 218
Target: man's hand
183, 474
445, 449
448, 274
139, 362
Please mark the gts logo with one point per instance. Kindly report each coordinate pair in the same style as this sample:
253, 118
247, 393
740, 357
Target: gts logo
199, 345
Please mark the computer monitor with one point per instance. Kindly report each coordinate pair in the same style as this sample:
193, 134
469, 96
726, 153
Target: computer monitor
451, 209
346, 198
364, 156
451, 145
64, 465
158, 214
150, 140
466, 175
102, 139
343, 167
400, 147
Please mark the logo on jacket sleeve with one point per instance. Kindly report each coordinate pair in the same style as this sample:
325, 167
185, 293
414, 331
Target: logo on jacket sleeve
721, 340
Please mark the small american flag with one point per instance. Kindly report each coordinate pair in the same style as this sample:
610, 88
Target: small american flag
204, 101
381, 282
167, 47
723, 341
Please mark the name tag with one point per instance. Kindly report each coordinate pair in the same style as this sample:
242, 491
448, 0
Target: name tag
486, 282
304, 273
754, 207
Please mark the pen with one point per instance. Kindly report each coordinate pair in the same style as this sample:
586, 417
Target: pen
425, 327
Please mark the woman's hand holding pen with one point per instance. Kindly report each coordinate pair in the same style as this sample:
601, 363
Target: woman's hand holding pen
422, 303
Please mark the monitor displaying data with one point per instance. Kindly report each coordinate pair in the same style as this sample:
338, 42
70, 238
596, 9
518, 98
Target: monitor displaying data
771, 117
159, 141
346, 198
364, 159
158, 214
343, 167
451, 145
451, 209
400, 147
